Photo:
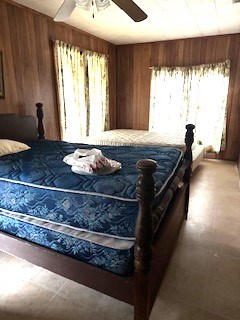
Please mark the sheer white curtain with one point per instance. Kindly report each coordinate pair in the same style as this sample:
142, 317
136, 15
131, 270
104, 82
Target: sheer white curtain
82, 91
198, 95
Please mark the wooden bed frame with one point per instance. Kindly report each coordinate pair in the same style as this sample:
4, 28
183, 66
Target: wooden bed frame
152, 250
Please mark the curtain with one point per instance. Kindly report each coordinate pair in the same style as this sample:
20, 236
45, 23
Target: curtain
82, 91
198, 95
97, 65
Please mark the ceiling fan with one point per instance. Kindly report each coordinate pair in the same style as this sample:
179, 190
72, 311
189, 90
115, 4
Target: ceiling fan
128, 6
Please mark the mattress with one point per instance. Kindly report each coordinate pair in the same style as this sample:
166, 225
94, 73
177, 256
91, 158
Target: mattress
43, 201
104, 252
198, 152
130, 137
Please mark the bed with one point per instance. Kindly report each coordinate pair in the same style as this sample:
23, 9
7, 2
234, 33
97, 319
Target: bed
77, 226
131, 137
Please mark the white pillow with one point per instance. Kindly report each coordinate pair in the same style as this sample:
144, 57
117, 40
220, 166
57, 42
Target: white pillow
11, 146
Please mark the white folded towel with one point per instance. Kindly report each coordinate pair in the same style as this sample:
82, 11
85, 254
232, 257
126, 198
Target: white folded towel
85, 161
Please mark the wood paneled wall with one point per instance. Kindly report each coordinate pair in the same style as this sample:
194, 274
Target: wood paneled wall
133, 78
25, 39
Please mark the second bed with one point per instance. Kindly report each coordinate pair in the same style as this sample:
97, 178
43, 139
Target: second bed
131, 137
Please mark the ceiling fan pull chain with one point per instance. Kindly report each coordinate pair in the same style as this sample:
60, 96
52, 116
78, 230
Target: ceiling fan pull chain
93, 9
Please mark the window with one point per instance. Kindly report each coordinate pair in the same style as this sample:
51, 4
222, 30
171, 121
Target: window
198, 95
82, 91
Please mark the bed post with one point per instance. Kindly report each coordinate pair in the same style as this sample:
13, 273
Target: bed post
144, 237
40, 122
189, 138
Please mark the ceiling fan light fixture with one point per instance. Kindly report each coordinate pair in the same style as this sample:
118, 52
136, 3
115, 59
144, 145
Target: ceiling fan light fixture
89, 4
84, 4
102, 4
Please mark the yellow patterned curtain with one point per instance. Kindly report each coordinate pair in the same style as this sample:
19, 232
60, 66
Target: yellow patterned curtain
97, 65
82, 91
198, 95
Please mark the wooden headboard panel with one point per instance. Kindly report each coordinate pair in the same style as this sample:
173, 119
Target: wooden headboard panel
23, 128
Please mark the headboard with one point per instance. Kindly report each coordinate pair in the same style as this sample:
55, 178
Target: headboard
23, 128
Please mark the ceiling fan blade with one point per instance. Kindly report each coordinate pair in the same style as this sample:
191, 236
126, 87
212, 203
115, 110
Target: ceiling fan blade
65, 10
131, 9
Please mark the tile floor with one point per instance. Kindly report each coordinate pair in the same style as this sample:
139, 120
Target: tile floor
202, 281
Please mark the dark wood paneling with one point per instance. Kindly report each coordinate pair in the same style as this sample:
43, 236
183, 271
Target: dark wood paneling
133, 64
238, 164
125, 86
25, 39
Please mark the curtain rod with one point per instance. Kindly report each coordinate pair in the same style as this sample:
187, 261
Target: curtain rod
54, 40
194, 65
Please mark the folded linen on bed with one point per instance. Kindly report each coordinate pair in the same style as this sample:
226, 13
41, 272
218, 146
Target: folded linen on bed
85, 161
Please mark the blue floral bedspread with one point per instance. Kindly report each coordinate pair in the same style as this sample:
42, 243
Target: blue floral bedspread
37, 182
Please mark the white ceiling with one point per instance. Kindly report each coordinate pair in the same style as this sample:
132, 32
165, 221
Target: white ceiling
167, 19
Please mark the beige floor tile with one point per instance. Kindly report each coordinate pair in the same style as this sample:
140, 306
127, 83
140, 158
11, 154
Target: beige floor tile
48, 280
108, 308
231, 248
10, 261
212, 316
81, 295
202, 204
14, 272
2, 255
223, 298
225, 268
227, 245
229, 211
226, 227
196, 234
10, 315
226, 235
89, 303
62, 309
185, 286
78, 294
25, 299
29, 271
191, 257
168, 309
201, 283
11, 274
228, 196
